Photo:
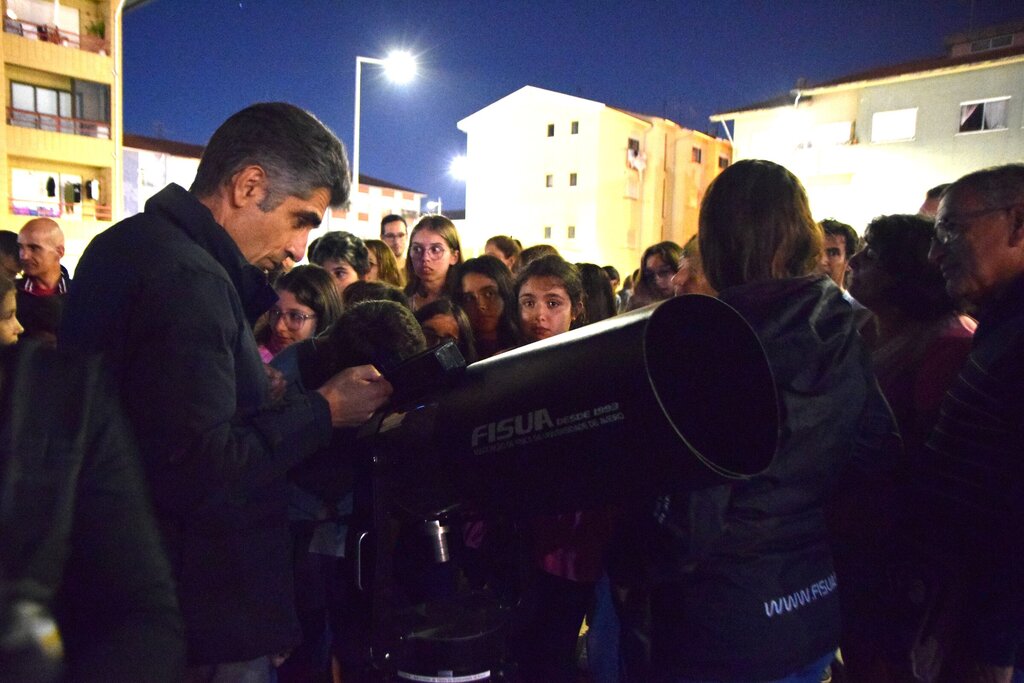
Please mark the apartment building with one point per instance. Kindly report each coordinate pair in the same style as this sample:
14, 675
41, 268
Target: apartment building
873, 142
60, 147
372, 200
599, 183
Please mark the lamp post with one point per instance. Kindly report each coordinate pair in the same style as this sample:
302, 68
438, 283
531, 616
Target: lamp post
399, 67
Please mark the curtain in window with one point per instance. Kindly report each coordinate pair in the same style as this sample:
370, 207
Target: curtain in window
995, 114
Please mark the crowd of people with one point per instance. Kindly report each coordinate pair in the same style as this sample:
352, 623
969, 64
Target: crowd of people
173, 506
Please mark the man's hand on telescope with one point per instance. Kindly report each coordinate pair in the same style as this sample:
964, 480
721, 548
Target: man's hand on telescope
354, 394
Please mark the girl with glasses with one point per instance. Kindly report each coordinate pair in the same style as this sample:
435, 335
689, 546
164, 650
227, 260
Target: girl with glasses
307, 304
433, 250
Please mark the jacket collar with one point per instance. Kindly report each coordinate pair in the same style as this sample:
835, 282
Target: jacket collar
195, 220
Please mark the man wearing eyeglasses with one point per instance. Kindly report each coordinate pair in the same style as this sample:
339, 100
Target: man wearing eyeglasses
174, 328
393, 231
969, 493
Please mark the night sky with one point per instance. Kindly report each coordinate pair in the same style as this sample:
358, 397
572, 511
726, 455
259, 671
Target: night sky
189, 64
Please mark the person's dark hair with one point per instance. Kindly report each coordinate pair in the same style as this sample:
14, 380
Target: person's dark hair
756, 224
443, 227
493, 268
9, 244
612, 273
445, 306
506, 245
391, 218
557, 267
900, 243
599, 300
362, 290
531, 254
387, 264
343, 246
381, 333
833, 227
997, 186
936, 192
296, 151
6, 285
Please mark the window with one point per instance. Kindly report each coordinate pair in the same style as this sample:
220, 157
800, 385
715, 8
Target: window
547, 232
29, 101
992, 43
549, 180
571, 232
894, 126
723, 163
574, 128
696, 155
983, 115
551, 130
633, 145
572, 180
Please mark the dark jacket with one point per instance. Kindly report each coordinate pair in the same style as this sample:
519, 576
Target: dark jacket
168, 298
76, 531
742, 581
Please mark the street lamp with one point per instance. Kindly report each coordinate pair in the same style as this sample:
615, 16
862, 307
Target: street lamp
434, 207
399, 67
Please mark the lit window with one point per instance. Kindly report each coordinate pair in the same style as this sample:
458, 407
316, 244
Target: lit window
723, 162
572, 180
551, 130
549, 180
984, 115
547, 232
696, 155
575, 128
571, 232
894, 126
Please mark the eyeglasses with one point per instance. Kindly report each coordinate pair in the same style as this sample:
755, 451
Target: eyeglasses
293, 320
949, 230
392, 236
659, 274
433, 252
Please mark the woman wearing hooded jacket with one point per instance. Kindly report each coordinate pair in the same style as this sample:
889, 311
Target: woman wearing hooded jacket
741, 579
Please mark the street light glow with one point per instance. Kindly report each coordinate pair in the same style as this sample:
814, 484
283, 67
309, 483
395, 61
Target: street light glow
459, 168
400, 66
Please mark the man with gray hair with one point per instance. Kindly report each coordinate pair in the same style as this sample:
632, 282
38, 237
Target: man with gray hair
971, 487
168, 297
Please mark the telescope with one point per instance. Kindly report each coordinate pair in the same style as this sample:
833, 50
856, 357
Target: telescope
667, 399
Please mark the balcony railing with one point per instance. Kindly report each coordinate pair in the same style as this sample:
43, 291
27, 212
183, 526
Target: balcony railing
55, 209
48, 33
58, 124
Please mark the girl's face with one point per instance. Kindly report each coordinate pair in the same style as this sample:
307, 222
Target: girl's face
483, 304
659, 275
431, 257
342, 272
870, 284
10, 328
441, 328
492, 250
290, 322
374, 273
544, 307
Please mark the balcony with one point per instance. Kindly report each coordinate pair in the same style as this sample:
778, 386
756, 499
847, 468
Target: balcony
56, 209
58, 124
48, 33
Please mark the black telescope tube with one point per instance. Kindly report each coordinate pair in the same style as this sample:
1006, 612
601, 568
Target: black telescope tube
673, 397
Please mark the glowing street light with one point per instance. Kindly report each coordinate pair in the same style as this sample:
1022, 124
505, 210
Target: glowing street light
399, 67
459, 168
434, 206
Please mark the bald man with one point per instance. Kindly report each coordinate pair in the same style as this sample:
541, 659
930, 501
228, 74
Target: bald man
44, 284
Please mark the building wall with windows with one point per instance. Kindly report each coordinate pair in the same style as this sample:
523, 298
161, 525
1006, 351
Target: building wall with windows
874, 143
374, 199
60, 150
600, 184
